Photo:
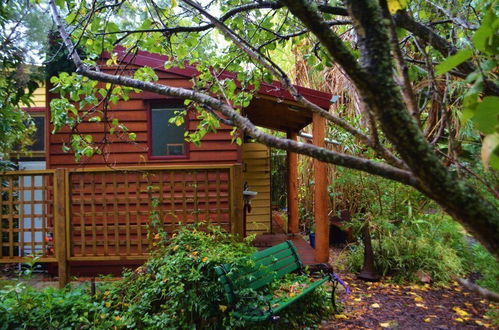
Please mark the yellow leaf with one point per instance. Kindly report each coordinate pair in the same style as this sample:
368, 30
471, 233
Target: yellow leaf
418, 299
223, 308
396, 5
458, 319
375, 305
117, 318
205, 259
108, 304
341, 316
385, 324
358, 299
427, 320
460, 312
421, 305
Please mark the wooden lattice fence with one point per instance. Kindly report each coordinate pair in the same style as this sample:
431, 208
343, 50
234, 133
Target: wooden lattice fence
103, 214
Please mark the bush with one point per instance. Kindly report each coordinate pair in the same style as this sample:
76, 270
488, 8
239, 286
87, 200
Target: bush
24, 307
176, 288
434, 244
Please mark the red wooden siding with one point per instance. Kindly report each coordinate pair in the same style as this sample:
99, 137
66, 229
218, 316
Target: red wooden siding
215, 148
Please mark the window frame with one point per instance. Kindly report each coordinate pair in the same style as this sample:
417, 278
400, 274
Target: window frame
165, 103
35, 155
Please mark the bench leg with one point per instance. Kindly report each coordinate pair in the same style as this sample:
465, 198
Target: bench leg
333, 296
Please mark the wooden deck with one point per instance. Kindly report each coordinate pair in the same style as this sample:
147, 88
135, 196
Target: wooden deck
306, 252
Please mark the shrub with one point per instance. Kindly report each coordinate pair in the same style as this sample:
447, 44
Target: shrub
176, 288
430, 243
24, 307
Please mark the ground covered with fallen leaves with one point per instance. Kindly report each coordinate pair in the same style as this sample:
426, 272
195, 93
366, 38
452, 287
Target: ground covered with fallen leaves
388, 305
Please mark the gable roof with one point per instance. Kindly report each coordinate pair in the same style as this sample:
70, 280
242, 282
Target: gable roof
275, 89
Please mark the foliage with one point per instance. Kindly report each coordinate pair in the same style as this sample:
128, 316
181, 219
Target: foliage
176, 288
18, 79
485, 266
483, 112
22, 306
433, 244
375, 197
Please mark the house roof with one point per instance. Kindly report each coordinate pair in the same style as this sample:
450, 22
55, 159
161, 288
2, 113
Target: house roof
273, 106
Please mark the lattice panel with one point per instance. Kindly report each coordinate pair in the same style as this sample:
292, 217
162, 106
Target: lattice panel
111, 210
26, 226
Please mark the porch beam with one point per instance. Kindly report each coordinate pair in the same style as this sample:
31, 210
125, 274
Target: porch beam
292, 163
320, 194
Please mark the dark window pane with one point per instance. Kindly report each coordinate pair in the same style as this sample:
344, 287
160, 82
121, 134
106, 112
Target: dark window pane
39, 136
167, 139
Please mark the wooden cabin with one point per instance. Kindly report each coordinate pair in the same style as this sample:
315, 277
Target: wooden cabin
108, 198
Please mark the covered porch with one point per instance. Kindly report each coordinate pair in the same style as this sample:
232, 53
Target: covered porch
287, 116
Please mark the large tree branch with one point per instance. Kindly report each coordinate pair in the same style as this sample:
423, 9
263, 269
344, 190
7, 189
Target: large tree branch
241, 122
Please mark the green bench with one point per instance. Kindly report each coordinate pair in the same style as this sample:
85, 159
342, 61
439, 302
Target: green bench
267, 266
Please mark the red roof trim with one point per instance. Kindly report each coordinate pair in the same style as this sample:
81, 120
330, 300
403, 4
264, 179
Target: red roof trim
157, 61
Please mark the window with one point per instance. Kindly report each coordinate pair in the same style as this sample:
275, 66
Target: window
167, 139
39, 136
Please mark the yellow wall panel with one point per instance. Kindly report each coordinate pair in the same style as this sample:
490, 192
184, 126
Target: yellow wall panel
39, 97
256, 171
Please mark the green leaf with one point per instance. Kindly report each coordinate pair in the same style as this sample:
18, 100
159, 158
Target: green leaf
485, 38
486, 114
453, 61
132, 136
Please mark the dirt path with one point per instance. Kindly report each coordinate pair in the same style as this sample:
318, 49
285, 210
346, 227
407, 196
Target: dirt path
385, 305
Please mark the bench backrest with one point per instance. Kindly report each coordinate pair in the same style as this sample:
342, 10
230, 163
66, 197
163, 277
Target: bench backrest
269, 264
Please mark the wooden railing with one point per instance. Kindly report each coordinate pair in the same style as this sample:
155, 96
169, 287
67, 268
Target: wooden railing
102, 214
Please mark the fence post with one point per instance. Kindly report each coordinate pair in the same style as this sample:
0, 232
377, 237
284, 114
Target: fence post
60, 226
236, 200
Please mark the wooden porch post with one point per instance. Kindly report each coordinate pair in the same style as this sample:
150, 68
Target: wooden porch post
60, 226
292, 163
320, 194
